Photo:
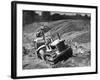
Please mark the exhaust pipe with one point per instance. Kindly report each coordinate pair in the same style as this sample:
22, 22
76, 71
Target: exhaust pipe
58, 36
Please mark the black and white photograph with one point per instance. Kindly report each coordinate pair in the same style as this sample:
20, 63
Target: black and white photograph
53, 39
56, 39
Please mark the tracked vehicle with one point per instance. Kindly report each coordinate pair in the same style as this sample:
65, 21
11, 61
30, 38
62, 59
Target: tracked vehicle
51, 51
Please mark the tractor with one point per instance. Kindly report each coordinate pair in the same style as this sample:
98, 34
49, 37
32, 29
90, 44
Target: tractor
51, 51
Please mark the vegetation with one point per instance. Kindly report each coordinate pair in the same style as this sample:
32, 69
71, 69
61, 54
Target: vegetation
32, 16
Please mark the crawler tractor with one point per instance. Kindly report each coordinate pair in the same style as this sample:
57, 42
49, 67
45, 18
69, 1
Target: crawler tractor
51, 51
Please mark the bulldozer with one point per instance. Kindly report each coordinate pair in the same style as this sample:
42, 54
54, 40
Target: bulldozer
51, 51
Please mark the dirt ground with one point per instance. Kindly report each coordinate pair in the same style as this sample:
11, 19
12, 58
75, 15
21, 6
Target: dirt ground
77, 31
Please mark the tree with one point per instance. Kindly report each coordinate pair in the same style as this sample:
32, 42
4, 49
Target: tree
56, 16
29, 17
46, 16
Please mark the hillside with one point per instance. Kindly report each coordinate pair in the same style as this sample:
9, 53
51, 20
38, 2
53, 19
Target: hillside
62, 27
74, 30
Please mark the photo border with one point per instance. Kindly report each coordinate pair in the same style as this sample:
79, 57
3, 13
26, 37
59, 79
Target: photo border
14, 38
